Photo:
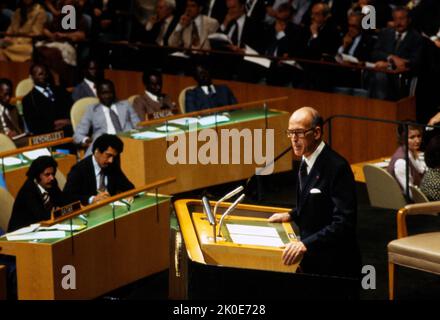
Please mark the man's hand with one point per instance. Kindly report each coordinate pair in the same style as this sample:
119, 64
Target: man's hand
314, 29
293, 252
100, 196
399, 62
347, 41
434, 120
280, 217
185, 20
437, 43
381, 65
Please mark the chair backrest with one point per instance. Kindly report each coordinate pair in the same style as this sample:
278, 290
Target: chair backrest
6, 204
417, 195
24, 87
61, 179
131, 98
181, 99
79, 108
6, 143
383, 190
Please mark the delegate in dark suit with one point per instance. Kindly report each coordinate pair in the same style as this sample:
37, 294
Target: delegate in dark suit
82, 90
196, 99
40, 113
326, 207
327, 219
81, 181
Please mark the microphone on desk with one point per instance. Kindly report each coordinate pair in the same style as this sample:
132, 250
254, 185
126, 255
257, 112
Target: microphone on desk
83, 218
207, 210
226, 197
228, 211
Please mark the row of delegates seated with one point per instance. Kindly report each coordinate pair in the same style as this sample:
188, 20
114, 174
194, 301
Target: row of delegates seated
417, 166
108, 116
11, 123
93, 179
28, 19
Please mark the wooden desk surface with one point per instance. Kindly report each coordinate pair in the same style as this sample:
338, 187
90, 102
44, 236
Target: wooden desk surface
106, 255
358, 168
144, 160
15, 176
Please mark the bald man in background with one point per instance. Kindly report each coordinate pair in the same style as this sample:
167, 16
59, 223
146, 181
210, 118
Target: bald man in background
326, 208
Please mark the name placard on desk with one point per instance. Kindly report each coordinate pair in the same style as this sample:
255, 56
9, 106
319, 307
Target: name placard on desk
68, 209
48, 137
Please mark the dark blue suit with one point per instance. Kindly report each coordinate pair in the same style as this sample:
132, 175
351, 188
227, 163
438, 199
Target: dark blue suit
196, 99
327, 217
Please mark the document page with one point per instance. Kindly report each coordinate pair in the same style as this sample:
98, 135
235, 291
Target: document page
254, 235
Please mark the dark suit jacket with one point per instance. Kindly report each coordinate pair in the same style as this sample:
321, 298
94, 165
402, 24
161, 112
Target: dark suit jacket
196, 99
82, 90
81, 181
363, 49
28, 206
151, 35
293, 43
219, 10
327, 218
327, 41
40, 113
410, 47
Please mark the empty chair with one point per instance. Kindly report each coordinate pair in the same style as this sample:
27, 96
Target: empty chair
79, 108
383, 190
420, 251
181, 99
6, 143
24, 87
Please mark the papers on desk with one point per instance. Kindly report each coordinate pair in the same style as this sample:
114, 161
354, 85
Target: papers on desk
208, 120
167, 128
184, 121
383, 164
264, 62
37, 236
36, 232
12, 161
292, 63
148, 135
219, 37
254, 235
34, 154
179, 54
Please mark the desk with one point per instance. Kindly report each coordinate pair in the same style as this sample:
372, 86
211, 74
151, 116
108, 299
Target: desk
358, 168
106, 255
16, 175
145, 160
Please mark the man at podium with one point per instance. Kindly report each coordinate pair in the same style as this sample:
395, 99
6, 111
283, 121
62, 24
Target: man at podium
326, 207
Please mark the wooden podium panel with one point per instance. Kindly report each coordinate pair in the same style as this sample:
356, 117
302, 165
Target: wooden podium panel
106, 255
145, 160
15, 176
198, 237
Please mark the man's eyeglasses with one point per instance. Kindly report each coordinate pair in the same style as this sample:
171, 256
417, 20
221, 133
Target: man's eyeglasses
300, 133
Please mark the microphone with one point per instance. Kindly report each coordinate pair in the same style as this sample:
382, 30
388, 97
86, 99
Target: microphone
228, 211
226, 197
207, 209
83, 218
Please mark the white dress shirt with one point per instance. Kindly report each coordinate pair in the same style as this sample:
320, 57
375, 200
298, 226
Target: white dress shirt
91, 85
311, 159
110, 127
400, 170
206, 90
97, 170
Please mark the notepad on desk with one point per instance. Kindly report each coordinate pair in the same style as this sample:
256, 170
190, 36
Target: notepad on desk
148, 135
40, 235
184, 121
34, 154
208, 120
12, 161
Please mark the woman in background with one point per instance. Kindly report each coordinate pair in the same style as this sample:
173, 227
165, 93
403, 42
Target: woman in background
28, 19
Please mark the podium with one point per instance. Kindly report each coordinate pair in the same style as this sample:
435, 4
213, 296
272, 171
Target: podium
235, 267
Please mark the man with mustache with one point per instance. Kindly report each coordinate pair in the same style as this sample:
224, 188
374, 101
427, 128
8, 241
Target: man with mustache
38, 195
